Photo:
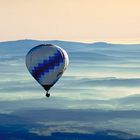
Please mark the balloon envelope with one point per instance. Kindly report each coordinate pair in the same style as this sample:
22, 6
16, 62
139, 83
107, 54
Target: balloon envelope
46, 63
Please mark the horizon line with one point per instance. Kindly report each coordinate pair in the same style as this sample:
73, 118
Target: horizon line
85, 42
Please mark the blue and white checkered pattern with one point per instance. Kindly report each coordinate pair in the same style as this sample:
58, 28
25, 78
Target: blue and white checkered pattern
46, 62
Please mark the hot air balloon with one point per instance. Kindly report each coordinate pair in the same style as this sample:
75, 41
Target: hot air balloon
47, 63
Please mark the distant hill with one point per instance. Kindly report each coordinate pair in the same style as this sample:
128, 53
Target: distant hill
97, 97
65, 124
68, 45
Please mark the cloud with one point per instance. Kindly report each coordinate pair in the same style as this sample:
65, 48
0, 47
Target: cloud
97, 71
124, 124
35, 100
106, 82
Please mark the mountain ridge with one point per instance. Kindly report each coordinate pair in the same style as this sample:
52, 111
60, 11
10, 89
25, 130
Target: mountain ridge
67, 41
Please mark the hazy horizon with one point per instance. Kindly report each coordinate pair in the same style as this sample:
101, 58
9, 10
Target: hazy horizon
91, 42
98, 97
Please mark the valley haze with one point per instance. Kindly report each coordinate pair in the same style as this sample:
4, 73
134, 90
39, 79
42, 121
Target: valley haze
98, 97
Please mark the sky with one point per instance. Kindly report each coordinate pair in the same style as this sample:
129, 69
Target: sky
73, 20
